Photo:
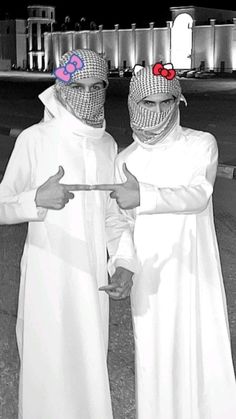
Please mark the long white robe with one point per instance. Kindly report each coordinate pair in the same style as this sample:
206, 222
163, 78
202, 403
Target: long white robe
184, 366
62, 324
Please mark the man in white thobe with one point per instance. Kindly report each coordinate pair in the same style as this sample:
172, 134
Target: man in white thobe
184, 367
62, 322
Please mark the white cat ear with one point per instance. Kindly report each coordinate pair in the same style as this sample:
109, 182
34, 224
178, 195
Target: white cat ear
183, 99
168, 66
137, 68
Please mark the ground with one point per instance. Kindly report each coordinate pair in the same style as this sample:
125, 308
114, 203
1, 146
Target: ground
211, 107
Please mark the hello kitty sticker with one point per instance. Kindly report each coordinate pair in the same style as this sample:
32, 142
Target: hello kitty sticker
65, 72
164, 70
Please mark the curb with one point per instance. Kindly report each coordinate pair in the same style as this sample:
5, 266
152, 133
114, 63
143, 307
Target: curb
224, 170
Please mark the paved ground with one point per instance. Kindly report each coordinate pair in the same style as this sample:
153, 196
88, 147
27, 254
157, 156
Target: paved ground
210, 107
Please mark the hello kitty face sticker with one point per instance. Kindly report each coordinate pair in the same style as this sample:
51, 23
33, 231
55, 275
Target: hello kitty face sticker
164, 70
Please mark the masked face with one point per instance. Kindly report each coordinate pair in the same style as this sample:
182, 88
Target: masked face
153, 105
83, 91
85, 99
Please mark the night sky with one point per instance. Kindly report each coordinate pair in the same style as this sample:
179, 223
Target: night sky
107, 13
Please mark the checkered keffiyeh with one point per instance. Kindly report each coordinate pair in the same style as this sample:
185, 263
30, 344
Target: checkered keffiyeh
94, 65
145, 83
148, 125
86, 106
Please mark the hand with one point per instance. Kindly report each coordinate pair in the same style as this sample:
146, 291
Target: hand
127, 194
55, 195
121, 284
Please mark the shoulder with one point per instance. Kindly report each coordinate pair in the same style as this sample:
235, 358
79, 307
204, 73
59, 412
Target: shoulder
110, 143
27, 136
201, 140
31, 136
107, 137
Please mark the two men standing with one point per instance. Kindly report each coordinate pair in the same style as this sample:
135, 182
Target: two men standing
163, 233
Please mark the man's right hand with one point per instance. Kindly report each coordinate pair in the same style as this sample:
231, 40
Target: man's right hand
55, 195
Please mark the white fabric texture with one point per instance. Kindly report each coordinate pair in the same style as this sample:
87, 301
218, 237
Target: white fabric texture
62, 323
184, 366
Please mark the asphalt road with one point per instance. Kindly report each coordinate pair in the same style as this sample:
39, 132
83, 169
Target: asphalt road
211, 107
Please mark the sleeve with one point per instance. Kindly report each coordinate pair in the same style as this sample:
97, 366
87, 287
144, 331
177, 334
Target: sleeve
119, 238
17, 192
182, 199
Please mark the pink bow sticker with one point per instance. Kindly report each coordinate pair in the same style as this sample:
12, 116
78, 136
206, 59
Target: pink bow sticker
65, 72
164, 70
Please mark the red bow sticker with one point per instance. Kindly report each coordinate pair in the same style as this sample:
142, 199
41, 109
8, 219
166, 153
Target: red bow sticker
164, 70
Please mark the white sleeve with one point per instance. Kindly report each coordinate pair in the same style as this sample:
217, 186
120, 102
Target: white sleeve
17, 192
189, 199
119, 237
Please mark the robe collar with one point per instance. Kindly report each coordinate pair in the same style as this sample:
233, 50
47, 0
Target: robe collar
68, 121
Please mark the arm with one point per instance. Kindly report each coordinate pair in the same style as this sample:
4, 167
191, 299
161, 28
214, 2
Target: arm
17, 192
119, 233
122, 263
119, 236
190, 199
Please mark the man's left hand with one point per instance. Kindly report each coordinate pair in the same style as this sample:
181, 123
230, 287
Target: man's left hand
121, 284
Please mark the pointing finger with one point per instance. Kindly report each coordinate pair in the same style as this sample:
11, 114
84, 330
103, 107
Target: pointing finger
108, 287
76, 187
106, 187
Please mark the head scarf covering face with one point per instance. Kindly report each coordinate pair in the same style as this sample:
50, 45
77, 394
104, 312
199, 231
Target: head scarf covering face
151, 126
86, 106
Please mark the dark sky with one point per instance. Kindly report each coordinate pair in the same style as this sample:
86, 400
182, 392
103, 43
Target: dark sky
108, 13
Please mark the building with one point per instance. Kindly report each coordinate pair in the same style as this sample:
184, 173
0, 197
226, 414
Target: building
13, 44
40, 20
203, 37
22, 41
196, 37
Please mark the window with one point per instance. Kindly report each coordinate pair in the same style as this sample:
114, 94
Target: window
34, 37
35, 62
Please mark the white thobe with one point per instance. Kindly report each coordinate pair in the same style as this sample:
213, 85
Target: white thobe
62, 323
184, 366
